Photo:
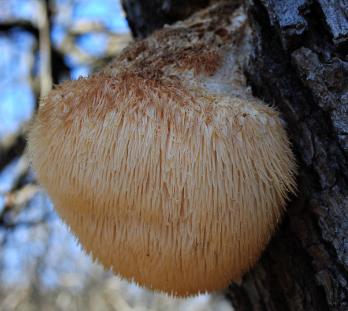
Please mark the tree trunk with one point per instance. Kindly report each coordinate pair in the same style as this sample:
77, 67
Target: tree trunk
144, 17
299, 62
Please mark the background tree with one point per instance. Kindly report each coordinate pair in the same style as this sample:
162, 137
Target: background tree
299, 62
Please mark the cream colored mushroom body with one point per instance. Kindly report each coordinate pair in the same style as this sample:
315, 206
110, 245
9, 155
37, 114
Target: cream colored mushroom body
162, 164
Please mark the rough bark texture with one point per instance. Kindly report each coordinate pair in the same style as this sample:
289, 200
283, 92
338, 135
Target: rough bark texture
144, 17
299, 62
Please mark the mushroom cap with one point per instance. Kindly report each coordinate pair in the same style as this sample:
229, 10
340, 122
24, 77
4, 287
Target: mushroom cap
162, 165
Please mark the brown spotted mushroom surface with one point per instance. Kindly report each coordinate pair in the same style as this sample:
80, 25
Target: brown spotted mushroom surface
162, 164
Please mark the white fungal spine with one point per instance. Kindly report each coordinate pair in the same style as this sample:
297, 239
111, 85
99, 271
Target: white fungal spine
173, 179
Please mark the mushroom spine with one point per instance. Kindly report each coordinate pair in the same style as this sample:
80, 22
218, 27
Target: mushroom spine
162, 164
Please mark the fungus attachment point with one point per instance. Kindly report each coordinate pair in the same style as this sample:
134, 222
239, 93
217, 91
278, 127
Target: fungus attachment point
162, 164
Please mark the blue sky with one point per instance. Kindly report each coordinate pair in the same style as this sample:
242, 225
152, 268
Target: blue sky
16, 98
17, 104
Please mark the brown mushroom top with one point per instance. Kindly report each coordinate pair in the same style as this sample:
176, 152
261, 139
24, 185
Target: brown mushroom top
162, 164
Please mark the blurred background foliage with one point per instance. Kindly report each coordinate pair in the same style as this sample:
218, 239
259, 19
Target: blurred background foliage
42, 267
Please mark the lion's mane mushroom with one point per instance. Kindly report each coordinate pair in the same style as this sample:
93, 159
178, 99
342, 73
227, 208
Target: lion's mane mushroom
162, 164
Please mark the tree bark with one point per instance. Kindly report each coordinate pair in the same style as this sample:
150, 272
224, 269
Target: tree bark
144, 17
299, 62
